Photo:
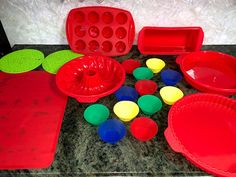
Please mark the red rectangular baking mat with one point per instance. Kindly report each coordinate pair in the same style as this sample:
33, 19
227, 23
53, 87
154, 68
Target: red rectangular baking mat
31, 113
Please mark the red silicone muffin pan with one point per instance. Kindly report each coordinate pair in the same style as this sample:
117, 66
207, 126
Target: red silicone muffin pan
170, 40
202, 128
90, 77
211, 72
103, 30
31, 113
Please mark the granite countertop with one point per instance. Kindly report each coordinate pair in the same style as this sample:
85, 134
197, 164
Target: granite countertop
81, 153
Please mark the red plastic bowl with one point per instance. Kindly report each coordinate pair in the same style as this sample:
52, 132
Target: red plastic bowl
170, 40
202, 128
209, 71
104, 30
145, 87
143, 128
89, 78
130, 65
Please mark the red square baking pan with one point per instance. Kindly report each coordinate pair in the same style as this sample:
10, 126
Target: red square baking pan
170, 40
103, 30
31, 113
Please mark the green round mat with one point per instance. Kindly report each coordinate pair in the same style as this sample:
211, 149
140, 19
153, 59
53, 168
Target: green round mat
21, 61
55, 60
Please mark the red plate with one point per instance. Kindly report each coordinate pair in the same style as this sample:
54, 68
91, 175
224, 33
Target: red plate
202, 128
209, 71
103, 30
89, 78
170, 40
31, 112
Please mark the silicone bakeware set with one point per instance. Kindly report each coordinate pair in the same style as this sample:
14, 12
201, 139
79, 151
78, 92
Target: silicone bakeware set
196, 123
200, 126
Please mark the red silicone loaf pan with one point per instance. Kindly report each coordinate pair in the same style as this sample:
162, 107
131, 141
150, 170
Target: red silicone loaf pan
202, 128
102, 30
170, 40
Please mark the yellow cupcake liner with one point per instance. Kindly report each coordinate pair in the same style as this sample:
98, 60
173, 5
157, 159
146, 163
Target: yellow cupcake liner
170, 94
155, 64
126, 110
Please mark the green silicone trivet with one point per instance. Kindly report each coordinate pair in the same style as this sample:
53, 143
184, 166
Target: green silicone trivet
21, 61
55, 60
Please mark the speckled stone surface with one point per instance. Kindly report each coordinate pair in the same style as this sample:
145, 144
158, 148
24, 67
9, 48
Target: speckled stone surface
81, 153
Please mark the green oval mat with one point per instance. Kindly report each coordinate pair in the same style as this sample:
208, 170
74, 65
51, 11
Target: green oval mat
21, 61
55, 60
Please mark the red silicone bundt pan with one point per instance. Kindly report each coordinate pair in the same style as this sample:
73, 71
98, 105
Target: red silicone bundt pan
89, 78
170, 40
202, 128
101, 30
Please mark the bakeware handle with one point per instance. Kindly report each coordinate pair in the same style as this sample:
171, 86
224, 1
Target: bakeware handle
172, 140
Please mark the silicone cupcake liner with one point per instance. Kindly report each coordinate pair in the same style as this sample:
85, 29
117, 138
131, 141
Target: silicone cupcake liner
170, 77
171, 94
149, 104
130, 65
142, 73
146, 87
112, 131
126, 110
95, 114
126, 93
155, 64
143, 128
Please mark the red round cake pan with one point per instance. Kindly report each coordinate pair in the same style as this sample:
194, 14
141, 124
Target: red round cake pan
90, 77
170, 40
202, 128
102, 30
211, 72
